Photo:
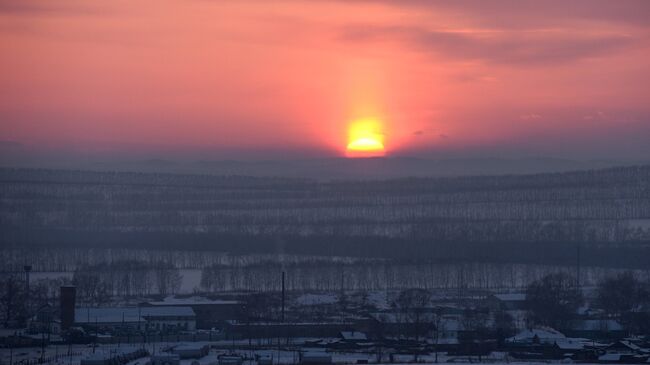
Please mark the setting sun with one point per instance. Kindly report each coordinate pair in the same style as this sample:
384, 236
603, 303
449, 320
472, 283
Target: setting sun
365, 139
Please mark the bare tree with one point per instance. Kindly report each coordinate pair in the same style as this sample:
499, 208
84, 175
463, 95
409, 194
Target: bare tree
12, 299
168, 278
411, 304
475, 331
553, 299
621, 294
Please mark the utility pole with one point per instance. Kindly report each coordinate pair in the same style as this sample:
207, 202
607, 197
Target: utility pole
11, 349
578, 267
42, 346
28, 269
283, 297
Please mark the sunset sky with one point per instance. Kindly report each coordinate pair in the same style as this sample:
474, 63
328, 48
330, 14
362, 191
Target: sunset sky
509, 78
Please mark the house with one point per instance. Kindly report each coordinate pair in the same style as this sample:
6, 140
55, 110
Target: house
45, 321
567, 348
129, 319
548, 343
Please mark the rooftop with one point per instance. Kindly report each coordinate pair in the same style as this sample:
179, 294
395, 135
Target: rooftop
128, 314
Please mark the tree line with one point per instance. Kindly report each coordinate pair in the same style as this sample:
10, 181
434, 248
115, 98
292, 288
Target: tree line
608, 211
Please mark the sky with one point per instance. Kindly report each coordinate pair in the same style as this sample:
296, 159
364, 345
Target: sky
289, 79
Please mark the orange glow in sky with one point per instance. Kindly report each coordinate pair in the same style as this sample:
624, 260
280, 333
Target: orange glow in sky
545, 78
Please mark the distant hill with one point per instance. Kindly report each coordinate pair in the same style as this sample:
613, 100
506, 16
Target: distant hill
394, 167
14, 155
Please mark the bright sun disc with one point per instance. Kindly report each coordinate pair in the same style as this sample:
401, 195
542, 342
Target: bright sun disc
365, 139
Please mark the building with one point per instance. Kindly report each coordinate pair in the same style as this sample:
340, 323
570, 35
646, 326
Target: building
209, 312
45, 321
128, 319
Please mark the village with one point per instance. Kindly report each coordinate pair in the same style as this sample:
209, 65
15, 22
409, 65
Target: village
350, 327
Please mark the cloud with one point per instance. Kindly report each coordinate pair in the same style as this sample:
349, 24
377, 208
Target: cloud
34, 7
535, 47
517, 14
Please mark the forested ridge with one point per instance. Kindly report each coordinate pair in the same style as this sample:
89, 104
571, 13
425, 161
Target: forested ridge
483, 216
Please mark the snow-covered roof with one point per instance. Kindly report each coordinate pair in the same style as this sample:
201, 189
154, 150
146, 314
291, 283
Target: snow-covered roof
128, 314
632, 346
354, 336
195, 300
545, 335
